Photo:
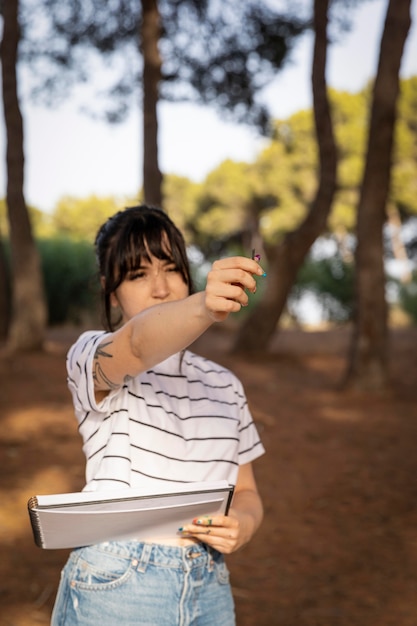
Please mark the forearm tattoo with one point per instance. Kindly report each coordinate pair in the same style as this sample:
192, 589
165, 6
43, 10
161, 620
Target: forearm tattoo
98, 375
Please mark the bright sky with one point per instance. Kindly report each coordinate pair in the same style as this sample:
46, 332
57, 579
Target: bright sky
69, 154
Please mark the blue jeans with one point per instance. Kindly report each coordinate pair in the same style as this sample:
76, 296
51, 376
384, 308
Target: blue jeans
132, 583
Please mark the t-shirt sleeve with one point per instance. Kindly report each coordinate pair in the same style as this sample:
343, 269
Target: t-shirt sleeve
250, 444
80, 373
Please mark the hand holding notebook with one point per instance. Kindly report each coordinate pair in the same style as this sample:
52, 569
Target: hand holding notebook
77, 519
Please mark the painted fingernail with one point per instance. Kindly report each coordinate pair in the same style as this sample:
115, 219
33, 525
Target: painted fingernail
257, 257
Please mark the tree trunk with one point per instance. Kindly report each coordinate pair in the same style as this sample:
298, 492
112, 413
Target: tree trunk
286, 259
368, 362
4, 294
28, 322
149, 37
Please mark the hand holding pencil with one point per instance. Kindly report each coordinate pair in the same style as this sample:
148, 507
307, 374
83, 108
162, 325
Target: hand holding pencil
228, 283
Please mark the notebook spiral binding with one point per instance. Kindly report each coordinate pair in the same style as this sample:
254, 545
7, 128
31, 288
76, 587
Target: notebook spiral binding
35, 522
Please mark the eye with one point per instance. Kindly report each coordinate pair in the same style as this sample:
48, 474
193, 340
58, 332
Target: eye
170, 266
135, 275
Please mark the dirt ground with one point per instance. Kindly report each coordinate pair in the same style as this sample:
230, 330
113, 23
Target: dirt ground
338, 546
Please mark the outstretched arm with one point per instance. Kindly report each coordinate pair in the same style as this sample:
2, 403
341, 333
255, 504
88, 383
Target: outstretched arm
165, 329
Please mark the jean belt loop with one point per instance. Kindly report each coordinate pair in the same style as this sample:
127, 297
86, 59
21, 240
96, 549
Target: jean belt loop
145, 556
210, 559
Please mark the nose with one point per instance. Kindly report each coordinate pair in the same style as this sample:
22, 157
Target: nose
160, 285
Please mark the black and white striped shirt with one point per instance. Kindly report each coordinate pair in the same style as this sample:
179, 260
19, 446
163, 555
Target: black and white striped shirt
184, 420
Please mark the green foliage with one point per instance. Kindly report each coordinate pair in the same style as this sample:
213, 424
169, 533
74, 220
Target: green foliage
404, 180
71, 283
4, 225
224, 204
407, 296
224, 53
180, 201
331, 280
407, 106
350, 118
286, 170
80, 218
343, 215
220, 54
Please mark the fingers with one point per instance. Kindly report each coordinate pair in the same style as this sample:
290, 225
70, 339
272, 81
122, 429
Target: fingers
250, 266
221, 532
228, 284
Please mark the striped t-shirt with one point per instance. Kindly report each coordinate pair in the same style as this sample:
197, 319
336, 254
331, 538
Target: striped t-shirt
185, 420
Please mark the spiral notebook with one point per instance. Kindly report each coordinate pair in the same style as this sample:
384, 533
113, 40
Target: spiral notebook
71, 520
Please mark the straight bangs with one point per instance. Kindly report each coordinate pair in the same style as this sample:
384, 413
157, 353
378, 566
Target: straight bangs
136, 245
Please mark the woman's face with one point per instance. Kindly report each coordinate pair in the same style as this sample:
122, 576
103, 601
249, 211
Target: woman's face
154, 282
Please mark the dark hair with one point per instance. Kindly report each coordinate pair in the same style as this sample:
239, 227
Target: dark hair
129, 236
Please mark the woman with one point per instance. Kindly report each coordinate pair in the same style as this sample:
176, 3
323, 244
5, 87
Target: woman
151, 412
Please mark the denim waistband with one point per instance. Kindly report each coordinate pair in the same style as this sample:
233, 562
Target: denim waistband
142, 554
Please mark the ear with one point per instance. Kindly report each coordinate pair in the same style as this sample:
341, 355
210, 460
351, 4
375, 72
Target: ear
113, 300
